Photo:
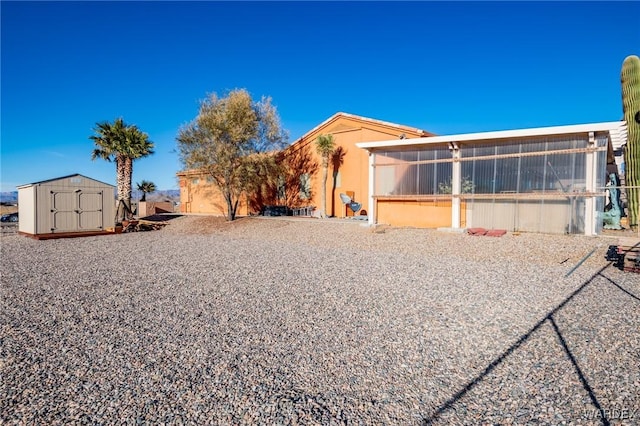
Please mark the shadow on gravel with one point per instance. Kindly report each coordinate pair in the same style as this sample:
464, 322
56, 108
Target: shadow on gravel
624, 290
447, 405
161, 217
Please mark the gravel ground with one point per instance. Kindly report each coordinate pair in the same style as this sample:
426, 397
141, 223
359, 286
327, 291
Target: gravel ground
274, 321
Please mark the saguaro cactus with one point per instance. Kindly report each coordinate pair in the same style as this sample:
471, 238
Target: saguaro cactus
630, 79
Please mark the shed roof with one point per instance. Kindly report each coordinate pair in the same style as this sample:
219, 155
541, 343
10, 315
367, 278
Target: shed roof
63, 177
617, 132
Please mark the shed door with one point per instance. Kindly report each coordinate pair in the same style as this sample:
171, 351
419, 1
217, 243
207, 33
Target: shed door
79, 210
90, 210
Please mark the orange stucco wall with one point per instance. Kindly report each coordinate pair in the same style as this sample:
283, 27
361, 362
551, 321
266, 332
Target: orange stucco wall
353, 174
199, 196
419, 214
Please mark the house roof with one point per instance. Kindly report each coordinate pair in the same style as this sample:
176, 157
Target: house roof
338, 115
335, 117
60, 178
617, 132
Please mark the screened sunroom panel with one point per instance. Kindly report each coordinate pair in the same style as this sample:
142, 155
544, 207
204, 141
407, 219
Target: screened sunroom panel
408, 184
578, 210
557, 216
509, 148
414, 179
546, 216
600, 202
442, 175
525, 174
507, 174
410, 155
468, 169
533, 147
601, 178
476, 150
482, 175
400, 156
427, 179
491, 214
439, 154
602, 141
385, 179
383, 158
533, 177
527, 145
405, 173
388, 157
566, 172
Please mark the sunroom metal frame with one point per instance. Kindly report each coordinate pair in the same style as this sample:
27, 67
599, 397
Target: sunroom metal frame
616, 133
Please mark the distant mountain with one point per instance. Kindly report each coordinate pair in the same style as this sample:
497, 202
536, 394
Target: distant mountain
160, 195
12, 197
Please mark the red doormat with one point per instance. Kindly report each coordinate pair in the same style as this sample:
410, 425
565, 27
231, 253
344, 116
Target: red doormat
489, 233
476, 231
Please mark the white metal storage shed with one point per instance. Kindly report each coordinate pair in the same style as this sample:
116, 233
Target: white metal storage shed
68, 204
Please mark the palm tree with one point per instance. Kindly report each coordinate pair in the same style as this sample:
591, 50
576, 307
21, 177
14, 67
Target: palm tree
145, 186
325, 147
121, 143
337, 160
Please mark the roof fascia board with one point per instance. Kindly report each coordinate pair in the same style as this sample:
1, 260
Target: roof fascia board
360, 119
616, 127
25, 185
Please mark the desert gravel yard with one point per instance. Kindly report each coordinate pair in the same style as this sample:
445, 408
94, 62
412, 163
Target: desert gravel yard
275, 321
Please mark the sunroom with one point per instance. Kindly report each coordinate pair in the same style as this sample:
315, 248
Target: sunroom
549, 180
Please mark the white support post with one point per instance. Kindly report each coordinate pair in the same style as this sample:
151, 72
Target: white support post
590, 215
456, 186
372, 187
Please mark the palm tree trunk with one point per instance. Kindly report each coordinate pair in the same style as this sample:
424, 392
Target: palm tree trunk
333, 194
325, 169
120, 181
128, 172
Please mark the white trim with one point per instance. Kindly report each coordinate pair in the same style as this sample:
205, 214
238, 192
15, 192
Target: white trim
590, 214
617, 131
399, 127
456, 187
62, 178
372, 188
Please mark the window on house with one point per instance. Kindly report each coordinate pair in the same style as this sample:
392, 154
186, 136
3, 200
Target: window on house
195, 181
305, 186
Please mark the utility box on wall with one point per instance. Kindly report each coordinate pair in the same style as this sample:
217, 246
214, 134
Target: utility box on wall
67, 204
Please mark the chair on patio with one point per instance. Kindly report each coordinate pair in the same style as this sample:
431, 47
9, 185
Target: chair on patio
352, 205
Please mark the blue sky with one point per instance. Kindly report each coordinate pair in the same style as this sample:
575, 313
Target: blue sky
450, 67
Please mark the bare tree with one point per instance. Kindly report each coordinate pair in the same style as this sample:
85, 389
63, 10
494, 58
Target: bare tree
233, 140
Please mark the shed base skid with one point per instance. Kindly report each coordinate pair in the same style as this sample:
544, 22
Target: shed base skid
66, 235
